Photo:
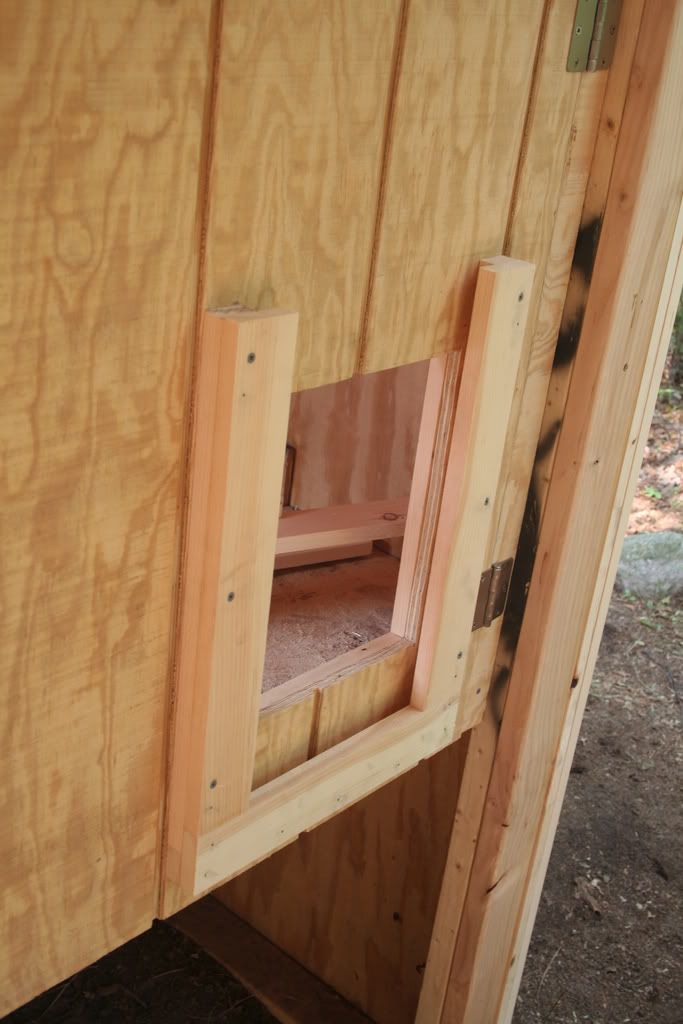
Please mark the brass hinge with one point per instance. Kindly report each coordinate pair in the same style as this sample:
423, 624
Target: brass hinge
493, 593
594, 35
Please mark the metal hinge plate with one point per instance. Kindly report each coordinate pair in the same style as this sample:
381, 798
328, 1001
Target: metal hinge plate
493, 592
594, 35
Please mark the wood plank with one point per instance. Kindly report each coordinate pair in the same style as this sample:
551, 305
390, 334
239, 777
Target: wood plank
319, 528
296, 559
578, 526
284, 738
472, 476
543, 228
240, 419
426, 493
351, 704
101, 114
362, 876
455, 138
304, 88
313, 792
289, 992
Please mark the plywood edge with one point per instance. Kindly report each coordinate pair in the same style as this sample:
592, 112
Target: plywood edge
331, 672
291, 993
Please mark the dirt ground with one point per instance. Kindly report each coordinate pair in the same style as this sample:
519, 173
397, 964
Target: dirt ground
608, 942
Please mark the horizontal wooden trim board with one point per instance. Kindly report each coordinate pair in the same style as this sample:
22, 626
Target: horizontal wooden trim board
318, 529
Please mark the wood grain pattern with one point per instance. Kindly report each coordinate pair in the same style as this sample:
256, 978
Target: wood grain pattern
101, 111
240, 409
366, 684
353, 703
472, 480
352, 870
356, 440
544, 228
577, 535
299, 133
532, 227
264, 345
338, 525
569, 106
588, 654
426, 492
291, 993
455, 140
283, 738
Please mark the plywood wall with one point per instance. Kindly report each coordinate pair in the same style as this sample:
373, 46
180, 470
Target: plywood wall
101, 122
350, 159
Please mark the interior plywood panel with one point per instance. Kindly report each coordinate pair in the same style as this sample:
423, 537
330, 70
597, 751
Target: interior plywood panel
356, 440
101, 114
300, 119
358, 860
455, 140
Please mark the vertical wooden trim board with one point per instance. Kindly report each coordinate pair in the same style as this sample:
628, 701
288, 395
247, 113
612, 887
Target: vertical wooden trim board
629, 301
241, 407
491, 363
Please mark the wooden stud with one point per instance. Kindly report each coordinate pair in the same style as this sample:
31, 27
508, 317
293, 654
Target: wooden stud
241, 407
474, 467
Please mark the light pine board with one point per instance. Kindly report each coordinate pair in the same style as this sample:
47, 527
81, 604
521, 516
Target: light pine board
101, 114
356, 440
241, 404
302, 96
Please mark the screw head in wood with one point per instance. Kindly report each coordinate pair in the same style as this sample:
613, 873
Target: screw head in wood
251, 358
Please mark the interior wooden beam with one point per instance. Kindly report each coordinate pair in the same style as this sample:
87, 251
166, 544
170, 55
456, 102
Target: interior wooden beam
621, 352
314, 532
315, 556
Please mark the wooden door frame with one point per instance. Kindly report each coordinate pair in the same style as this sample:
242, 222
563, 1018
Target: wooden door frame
632, 301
